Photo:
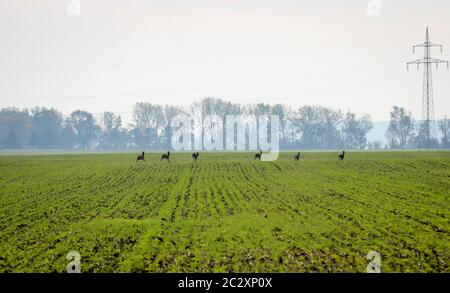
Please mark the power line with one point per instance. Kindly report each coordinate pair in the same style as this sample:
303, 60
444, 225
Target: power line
224, 86
344, 86
427, 98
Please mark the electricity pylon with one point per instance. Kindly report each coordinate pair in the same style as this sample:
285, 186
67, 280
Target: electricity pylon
428, 121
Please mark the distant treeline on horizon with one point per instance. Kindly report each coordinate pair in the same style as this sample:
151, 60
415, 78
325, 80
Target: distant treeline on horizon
308, 127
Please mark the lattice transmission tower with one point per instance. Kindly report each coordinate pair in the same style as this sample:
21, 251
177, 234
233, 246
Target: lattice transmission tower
429, 124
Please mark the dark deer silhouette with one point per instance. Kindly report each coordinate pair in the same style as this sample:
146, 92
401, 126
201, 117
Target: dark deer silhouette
297, 156
166, 156
141, 157
195, 156
258, 155
342, 156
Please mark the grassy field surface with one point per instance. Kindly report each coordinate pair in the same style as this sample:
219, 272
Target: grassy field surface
226, 212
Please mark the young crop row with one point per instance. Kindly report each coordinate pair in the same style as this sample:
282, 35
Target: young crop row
225, 212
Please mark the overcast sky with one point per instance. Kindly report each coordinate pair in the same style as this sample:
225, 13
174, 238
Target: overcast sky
118, 52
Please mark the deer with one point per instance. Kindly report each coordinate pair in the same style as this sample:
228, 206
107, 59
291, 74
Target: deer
195, 156
297, 156
258, 155
141, 157
341, 156
166, 156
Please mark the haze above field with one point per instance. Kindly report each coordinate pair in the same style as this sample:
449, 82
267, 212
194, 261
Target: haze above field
116, 53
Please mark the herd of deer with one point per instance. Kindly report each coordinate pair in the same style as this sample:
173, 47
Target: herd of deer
195, 156
141, 157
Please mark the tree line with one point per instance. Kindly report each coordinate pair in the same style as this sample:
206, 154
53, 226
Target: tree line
405, 132
308, 127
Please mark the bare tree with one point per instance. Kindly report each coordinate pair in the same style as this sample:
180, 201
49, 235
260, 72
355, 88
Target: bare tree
85, 129
444, 128
401, 127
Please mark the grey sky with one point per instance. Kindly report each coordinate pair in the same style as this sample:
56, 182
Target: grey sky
118, 52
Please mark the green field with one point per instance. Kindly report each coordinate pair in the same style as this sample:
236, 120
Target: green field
226, 212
